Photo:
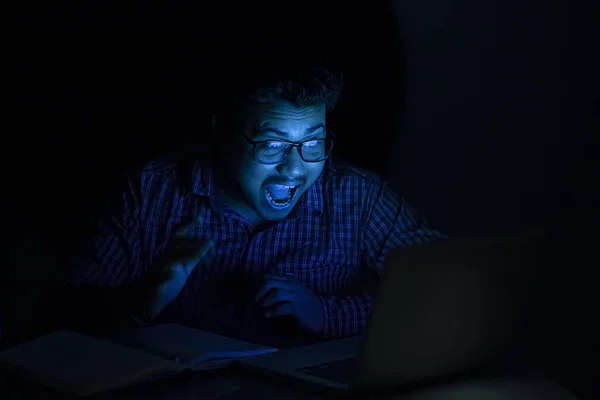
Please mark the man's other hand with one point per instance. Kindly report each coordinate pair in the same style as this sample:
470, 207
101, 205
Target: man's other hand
171, 272
285, 295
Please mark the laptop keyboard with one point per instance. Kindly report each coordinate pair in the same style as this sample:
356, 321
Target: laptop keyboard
336, 371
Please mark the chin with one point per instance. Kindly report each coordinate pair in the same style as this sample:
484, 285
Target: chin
270, 214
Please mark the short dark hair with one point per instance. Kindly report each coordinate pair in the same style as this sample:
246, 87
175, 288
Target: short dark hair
265, 75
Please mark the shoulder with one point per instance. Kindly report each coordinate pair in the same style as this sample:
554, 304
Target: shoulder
349, 187
162, 173
340, 169
345, 177
159, 166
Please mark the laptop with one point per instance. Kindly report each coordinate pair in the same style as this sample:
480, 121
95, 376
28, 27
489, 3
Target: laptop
442, 309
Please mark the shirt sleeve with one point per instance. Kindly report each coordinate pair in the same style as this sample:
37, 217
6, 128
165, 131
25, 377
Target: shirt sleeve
113, 257
390, 223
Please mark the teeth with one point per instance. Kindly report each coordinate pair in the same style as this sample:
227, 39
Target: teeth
280, 203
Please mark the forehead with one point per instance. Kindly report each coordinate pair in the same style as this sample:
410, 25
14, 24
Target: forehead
281, 118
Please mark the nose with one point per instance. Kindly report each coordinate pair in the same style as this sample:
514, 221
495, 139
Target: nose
293, 166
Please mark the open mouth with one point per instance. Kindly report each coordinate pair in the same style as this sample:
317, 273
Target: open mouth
280, 196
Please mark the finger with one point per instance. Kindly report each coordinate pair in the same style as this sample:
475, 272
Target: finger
262, 292
276, 296
204, 249
200, 256
183, 249
184, 231
281, 310
285, 277
186, 253
268, 286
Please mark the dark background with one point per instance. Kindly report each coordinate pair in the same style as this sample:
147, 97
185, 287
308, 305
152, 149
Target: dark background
483, 114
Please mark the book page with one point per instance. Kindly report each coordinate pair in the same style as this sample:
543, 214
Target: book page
83, 365
188, 345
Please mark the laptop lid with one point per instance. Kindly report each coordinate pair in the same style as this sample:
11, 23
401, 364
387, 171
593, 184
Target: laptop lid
447, 307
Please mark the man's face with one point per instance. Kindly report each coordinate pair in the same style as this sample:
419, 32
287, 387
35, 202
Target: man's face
273, 190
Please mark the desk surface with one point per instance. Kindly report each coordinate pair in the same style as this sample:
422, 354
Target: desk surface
232, 385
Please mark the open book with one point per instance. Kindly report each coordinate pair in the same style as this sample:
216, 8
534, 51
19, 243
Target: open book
83, 365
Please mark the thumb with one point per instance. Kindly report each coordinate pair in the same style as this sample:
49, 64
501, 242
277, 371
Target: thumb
201, 255
184, 230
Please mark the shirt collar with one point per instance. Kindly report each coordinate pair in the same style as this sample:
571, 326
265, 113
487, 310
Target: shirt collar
202, 182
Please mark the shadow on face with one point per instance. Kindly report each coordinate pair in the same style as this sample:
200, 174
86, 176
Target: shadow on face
270, 186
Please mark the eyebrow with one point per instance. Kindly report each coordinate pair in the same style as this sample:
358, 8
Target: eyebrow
285, 134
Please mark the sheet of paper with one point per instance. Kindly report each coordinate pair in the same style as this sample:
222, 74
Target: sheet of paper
190, 345
83, 365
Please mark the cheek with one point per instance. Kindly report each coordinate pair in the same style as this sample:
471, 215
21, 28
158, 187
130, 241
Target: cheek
313, 171
245, 165
251, 175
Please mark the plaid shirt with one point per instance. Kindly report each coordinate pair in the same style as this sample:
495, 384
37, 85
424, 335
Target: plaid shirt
336, 238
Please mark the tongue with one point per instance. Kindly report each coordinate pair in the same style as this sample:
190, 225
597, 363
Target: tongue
279, 192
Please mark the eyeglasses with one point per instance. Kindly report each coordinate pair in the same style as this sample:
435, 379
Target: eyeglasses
276, 151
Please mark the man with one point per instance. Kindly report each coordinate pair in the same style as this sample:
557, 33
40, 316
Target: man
270, 228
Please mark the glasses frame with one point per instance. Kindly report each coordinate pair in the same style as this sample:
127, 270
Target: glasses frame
297, 145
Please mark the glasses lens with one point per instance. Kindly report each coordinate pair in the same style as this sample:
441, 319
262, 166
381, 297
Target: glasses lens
316, 150
271, 152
